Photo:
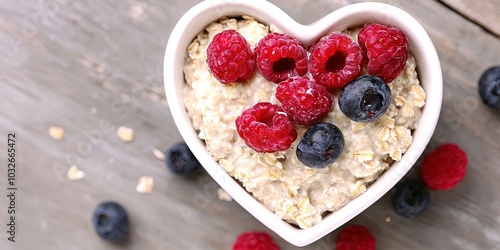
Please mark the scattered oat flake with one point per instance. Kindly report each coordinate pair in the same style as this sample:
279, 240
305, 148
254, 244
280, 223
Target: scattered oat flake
223, 195
158, 154
57, 133
125, 134
145, 185
387, 219
75, 174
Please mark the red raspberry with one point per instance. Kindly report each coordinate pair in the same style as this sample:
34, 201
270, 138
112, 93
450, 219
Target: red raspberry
335, 60
444, 167
304, 100
355, 237
280, 56
386, 50
255, 241
230, 58
265, 129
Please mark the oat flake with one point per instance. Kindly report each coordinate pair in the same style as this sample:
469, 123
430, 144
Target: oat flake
57, 133
145, 185
125, 134
75, 174
223, 195
158, 154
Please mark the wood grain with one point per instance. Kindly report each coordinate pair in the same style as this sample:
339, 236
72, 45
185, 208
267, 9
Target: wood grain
91, 66
485, 13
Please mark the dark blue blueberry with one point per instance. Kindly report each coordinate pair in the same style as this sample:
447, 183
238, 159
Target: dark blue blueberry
181, 160
320, 146
489, 87
110, 221
365, 99
411, 198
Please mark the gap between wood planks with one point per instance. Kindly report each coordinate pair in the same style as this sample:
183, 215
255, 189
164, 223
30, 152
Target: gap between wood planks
458, 12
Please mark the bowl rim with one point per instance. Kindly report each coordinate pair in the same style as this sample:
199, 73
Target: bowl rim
428, 67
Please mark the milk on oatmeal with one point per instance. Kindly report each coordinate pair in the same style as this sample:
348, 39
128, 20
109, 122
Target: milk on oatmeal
294, 192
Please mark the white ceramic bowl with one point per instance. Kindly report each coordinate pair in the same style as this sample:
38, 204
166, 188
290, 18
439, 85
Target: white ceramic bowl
428, 67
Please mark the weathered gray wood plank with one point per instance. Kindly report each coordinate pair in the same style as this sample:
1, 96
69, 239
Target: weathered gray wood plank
90, 66
484, 12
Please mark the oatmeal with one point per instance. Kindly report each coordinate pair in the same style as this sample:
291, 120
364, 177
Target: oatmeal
294, 192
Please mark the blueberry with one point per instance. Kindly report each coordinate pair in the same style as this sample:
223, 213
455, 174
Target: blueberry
411, 198
320, 146
365, 99
181, 160
110, 221
489, 87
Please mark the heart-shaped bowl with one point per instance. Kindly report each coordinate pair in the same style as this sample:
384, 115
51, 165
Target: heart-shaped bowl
421, 47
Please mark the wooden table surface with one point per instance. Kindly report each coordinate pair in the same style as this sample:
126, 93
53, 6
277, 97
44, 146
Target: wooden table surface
91, 66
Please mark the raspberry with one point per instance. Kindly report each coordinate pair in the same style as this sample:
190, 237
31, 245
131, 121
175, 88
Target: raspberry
304, 100
444, 167
386, 50
280, 56
265, 128
355, 237
230, 58
335, 60
255, 241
